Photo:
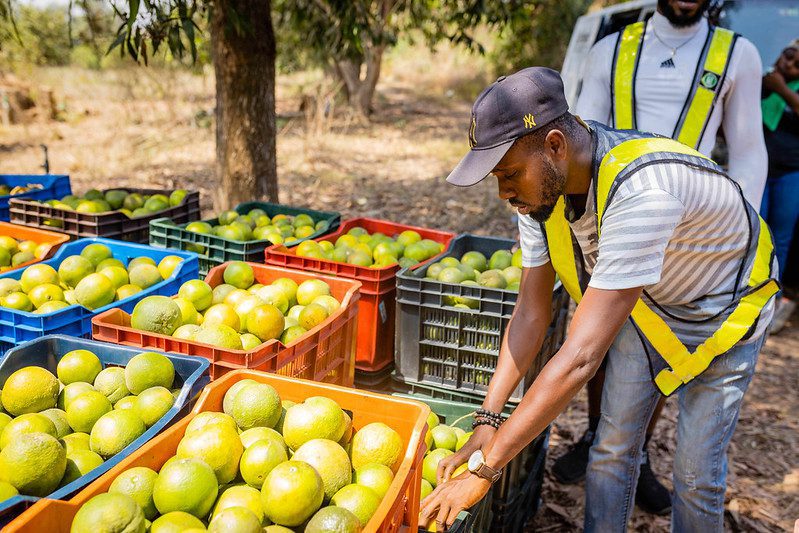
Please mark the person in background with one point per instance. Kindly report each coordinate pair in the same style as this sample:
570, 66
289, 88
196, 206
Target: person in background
780, 206
678, 76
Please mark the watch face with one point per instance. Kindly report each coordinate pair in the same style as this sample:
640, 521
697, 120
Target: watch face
475, 460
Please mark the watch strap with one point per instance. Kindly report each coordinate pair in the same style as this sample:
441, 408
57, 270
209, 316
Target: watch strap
486, 472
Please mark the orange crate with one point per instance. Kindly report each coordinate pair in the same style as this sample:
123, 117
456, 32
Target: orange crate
39, 236
326, 353
375, 346
399, 508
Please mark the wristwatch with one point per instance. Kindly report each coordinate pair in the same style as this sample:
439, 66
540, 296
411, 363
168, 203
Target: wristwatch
477, 466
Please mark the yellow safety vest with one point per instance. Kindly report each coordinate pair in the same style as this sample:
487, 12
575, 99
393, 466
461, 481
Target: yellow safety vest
701, 98
683, 365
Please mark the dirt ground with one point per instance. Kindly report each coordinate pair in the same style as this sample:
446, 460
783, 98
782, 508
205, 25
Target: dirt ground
148, 127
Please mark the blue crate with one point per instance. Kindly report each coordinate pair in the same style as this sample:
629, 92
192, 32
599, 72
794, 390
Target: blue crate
191, 375
53, 186
21, 326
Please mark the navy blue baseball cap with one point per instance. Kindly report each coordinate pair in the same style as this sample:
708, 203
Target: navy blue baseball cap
510, 108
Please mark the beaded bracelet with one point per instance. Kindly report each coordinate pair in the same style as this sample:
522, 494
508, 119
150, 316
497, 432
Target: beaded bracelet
483, 421
490, 414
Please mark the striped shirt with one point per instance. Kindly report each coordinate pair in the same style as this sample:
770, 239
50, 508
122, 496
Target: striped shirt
679, 231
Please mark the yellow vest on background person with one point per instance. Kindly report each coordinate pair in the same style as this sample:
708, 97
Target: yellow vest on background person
708, 79
681, 364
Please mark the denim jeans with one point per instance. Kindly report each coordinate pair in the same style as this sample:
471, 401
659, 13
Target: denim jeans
708, 411
780, 209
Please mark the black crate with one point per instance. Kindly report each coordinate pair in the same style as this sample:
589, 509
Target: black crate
111, 225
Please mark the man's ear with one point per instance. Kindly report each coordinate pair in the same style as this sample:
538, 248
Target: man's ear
555, 145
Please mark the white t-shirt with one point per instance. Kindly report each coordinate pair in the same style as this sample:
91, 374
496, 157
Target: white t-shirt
678, 231
661, 91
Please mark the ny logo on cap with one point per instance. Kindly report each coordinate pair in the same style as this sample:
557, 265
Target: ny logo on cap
529, 121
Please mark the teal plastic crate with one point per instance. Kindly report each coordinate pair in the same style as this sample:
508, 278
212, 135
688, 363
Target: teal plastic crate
515, 497
21, 326
191, 375
164, 233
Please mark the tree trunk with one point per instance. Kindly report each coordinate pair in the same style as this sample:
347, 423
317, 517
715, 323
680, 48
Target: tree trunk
360, 90
244, 64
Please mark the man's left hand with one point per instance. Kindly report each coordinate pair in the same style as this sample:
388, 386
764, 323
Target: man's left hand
450, 498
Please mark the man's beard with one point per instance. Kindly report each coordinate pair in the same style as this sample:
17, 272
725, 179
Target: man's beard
681, 21
554, 183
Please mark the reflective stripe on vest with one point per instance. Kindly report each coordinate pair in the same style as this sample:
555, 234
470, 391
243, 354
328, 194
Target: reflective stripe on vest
683, 365
705, 88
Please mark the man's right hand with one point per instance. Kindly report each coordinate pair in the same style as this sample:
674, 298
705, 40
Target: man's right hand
481, 436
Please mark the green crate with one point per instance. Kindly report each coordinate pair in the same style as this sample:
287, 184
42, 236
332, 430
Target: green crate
514, 498
217, 250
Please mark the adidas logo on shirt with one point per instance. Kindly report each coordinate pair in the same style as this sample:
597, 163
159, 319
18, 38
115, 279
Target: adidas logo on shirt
669, 63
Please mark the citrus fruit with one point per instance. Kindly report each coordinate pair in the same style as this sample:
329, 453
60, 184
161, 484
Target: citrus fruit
347, 435
18, 301
9, 285
142, 260
37, 275
118, 276
227, 401
70, 392
376, 443
79, 463
51, 307
265, 322
240, 496
96, 253
5, 419
222, 314
115, 198
328, 302
291, 334
374, 476
332, 518
220, 293
149, 369
126, 291
500, 259
114, 431
187, 485
462, 440
153, 403
210, 418
107, 263
30, 390
75, 441
310, 289
249, 341
312, 315
289, 288
244, 307
26, 424
59, 420
111, 383
188, 314
408, 237
167, 265
128, 402
292, 493
78, 365
235, 297
219, 335
253, 435
218, 446
427, 488
85, 410
476, 260
198, 292
95, 291
329, 460
7, 491
46, 292
444, 437
33, 463
313, 420
255, 405
430, 464
187, 332
274, 528
239, 274
274, 295
238, 519
144, 276
158, 314
137, 483
360, 501
176, 522
109, 512
259, 460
